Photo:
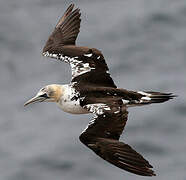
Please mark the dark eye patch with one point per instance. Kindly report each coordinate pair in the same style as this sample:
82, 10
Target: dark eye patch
44, 95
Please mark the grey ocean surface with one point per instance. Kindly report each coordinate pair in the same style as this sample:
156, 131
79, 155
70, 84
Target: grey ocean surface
144, 44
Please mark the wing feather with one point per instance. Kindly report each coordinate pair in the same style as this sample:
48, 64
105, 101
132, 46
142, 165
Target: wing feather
88, 64
65, 32
67, 12
102, 136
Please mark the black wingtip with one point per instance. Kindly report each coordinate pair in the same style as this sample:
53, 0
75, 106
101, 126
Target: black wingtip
71, 7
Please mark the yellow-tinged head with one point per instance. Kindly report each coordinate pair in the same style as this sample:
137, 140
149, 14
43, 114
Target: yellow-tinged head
49, 93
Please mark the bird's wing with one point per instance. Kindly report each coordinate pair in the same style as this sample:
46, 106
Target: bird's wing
65, 32
102, 136
88, 64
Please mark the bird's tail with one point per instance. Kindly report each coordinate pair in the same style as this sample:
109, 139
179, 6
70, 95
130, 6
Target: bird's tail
149, 97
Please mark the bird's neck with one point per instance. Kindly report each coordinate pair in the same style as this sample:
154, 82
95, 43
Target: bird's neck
57, 91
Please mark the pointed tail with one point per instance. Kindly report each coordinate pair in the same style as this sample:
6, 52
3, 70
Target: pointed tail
149, 97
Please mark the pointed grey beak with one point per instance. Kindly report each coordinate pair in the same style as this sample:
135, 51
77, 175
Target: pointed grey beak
35, 99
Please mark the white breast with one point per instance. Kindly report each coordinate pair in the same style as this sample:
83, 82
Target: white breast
67, 104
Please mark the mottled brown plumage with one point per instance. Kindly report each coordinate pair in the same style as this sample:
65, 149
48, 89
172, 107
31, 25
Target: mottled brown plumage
92, 90
103, 134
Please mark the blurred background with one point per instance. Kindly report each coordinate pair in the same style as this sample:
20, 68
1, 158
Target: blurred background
144, 43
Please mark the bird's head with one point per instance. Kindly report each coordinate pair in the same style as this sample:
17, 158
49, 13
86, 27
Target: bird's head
50, 93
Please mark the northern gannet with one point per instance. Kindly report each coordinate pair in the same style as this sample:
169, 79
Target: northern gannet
92, 90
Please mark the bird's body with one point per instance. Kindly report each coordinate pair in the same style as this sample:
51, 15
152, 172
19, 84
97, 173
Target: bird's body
92, 90
67, 103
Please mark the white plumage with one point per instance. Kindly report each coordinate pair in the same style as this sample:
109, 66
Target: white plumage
67, 104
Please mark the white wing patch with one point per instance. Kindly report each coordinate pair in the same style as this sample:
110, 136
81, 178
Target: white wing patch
146, 98
88, 55
125, 101
77, 66
57, 56
98, 108
143, 93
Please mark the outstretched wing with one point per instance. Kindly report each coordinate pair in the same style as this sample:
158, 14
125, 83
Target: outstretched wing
88, 64
65, 32
102, 136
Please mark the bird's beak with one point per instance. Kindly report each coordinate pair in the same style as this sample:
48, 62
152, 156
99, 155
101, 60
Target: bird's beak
37, 98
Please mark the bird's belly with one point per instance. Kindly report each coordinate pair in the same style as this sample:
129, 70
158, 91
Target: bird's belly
72, 107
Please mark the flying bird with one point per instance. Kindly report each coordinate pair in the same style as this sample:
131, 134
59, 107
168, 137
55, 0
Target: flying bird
92, 90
